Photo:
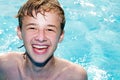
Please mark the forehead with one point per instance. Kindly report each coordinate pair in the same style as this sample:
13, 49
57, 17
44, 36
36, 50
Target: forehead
40, 18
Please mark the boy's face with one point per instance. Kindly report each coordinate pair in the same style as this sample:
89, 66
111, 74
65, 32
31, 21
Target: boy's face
40, 35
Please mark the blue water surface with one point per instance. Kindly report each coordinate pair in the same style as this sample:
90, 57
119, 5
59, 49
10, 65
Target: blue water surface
92, 35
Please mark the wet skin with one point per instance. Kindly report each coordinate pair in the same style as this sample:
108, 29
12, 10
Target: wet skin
41, 35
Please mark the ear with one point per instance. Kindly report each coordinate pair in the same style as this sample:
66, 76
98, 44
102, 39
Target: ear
19, 34
61, 36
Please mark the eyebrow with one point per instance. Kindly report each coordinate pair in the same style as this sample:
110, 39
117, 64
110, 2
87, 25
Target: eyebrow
30, 24
50, 25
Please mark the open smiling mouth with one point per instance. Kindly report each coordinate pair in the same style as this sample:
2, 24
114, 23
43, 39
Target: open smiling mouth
40, 49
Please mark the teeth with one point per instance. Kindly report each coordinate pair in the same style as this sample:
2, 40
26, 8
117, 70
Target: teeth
37, 46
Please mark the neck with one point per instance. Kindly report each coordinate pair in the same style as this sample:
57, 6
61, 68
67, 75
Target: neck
33, 67
39, 64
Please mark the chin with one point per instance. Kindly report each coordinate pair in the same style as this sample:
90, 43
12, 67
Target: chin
38, 62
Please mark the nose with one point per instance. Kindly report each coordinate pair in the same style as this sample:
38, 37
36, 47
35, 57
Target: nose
40, 36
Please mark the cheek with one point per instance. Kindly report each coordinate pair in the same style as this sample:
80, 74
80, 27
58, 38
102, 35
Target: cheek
26, 37
54, 38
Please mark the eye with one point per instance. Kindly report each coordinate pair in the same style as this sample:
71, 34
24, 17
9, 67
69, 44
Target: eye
50, 30
31, 28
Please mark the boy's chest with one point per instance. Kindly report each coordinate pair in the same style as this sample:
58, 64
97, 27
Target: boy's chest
19, 75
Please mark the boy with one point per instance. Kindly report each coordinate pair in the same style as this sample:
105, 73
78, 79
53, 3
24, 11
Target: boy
41, 27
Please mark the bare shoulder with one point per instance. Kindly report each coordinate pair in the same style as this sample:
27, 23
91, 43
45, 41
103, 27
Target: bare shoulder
12, 55
8, 64
8, 59
72, 71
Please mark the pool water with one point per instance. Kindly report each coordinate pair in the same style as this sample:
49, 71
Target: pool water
92, 35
